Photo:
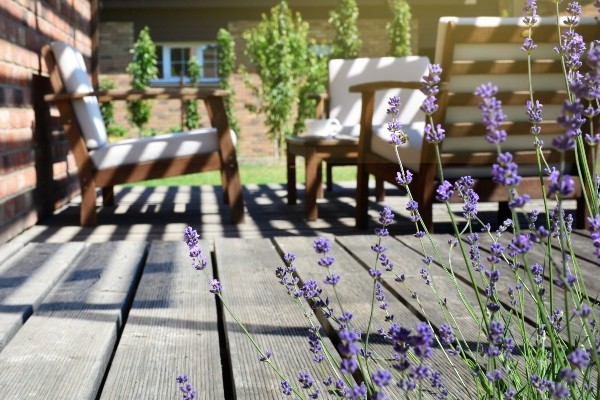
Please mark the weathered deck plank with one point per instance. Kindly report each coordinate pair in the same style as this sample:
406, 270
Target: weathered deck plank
26, 278
247, 272
63, 350
171, 330
356, 288
7, 250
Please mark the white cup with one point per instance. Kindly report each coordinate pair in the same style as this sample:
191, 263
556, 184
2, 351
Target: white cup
322, 127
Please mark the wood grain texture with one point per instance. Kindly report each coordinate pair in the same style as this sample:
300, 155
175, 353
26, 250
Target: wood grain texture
356, 292
64, 348
27, 278
171, 330
247, 272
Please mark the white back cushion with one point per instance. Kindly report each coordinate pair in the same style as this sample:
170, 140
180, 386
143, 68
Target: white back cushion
346, 106
75, 78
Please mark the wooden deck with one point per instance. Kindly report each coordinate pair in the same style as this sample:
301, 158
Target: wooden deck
121, 319
117, 311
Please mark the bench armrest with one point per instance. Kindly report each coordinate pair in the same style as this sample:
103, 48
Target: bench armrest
136, 94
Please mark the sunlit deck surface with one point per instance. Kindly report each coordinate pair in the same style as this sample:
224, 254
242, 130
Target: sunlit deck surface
117, 311
162, 213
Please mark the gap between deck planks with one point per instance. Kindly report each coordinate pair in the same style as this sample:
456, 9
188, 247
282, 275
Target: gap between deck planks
171, 330
64, 348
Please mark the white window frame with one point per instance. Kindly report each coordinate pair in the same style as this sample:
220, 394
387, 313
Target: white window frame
197, 50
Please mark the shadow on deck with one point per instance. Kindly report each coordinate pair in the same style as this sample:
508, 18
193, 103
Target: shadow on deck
162, 213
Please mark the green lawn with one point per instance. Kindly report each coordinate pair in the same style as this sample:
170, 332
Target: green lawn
257, 173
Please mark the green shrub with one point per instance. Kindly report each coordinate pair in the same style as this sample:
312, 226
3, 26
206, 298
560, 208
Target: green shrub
226, 57
399, 29
143, 70
346, 43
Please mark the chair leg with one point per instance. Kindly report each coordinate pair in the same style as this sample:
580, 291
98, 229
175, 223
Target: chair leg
329, 178
225, 187
379, 190
423, 194
232, 187
108, 196
87, 215
362, 198
581, 214
504, 212
292, 195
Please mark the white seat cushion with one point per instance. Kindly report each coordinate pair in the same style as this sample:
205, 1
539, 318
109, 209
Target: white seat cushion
410, 152
75, 78
134, 151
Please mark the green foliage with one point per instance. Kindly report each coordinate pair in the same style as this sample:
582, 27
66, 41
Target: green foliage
190, 107
346, 43
399, 29
143, 70
278, 47
316, 82
226, 57
107, 109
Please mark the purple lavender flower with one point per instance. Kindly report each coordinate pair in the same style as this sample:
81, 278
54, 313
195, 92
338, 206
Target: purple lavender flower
444, 191
315, 346
423, 340
305, 380
564, 186
326, 261
528, 45
357, 392
534, 111
594, 229
436, 135
430, 105
266, 356
192, 239
216, 286
579, 358
404, 180
571, 118
322, 245
432, 80
394, 104
446, 335
286, 388
530, 16
381, 378
386, 216
311, 289
505, 171
519, 244
186, 388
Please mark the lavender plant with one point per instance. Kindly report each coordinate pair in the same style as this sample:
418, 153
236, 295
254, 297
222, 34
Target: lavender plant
539, 339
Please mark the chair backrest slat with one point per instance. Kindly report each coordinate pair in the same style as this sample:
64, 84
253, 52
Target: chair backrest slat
474, 51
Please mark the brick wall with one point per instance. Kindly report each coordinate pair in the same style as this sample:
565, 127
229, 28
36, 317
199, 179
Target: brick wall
116, 39
35, 167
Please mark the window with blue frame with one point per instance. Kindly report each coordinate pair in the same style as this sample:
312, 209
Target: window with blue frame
173, 59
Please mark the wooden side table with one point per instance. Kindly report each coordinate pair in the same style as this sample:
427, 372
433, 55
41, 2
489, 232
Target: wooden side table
316, 150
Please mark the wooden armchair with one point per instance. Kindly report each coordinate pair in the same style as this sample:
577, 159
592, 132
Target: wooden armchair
474, 51
104, 165
345, 107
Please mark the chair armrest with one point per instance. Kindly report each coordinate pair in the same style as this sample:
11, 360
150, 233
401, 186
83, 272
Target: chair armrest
136, 94
383, 85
